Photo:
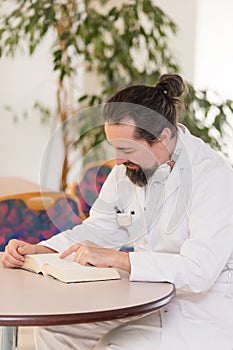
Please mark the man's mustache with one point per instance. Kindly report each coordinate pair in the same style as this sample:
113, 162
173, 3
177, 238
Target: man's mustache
129, 163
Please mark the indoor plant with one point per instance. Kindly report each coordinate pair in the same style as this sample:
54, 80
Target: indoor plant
105, 37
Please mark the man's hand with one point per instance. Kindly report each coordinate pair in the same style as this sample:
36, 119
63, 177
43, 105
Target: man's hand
13, 255
89, 253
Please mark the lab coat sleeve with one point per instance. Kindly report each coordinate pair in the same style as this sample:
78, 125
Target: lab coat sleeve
209, 245
101, 227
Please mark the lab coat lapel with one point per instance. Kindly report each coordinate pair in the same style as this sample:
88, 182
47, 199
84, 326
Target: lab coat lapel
173, 182
156, 195
179, 184
138, 231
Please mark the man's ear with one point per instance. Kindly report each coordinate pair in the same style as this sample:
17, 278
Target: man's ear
165, 136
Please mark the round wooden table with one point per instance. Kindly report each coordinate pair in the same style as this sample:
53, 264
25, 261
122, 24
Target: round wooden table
28, 299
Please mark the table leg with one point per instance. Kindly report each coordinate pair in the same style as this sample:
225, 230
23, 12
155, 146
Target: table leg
9, 338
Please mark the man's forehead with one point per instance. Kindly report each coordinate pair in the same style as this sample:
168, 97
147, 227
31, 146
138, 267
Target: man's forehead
123, 131
121, 136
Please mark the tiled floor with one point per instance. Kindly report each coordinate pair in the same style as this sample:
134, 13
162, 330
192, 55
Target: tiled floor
26, 341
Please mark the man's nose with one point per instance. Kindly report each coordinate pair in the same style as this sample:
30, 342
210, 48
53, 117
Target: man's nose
120, 160
119, 157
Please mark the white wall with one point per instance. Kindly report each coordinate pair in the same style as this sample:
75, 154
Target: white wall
184, 14
214, 49
23, 81
214, 53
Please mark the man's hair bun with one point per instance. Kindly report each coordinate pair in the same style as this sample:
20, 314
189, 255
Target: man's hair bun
171, 85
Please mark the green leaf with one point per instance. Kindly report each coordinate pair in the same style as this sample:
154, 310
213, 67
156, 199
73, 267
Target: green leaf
8, 41
2, 30
65, 35
32, 48
82, 98
57, 55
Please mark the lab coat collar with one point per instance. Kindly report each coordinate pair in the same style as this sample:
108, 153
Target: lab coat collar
162, 173
171, 177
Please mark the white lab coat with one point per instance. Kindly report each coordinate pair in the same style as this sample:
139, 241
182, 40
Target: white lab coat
182, 232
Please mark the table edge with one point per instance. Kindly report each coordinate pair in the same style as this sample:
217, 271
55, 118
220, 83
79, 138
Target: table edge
88, 317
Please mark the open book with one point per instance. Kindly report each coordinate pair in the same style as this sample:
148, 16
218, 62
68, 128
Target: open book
67, 270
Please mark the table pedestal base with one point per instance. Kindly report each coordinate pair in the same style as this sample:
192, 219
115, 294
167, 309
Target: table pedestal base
9, 338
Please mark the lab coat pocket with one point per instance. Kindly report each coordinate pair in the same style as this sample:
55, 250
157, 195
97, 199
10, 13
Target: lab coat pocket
211, 308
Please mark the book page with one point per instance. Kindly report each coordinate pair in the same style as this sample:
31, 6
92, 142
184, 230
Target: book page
67, 270
34, 262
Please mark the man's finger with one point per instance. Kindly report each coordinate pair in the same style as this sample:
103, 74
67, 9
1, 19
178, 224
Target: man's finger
70, 250
14, 253
10, 261
26, 249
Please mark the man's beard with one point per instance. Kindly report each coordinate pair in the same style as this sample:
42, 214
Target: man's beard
140, 176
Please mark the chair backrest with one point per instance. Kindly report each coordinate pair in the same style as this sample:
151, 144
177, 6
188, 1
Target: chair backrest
92, 180
35, 216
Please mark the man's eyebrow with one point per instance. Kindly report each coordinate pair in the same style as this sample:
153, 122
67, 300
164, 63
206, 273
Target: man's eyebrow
124, 148
120, 148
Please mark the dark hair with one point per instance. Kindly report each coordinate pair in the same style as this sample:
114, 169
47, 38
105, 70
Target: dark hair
152, 108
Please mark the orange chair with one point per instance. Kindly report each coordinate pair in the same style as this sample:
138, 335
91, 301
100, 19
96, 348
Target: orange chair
36, 216
33, 217
89, 186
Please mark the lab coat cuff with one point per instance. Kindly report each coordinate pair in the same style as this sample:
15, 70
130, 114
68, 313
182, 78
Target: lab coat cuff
58, 242
137, 260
